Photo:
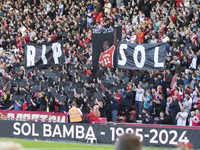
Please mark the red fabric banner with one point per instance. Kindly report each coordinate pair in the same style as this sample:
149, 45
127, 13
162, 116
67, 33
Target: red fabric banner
33, 116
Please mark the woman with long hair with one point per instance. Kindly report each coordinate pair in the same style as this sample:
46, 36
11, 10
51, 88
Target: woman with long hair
94, 116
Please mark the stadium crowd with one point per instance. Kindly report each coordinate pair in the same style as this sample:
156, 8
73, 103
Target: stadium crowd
169, 97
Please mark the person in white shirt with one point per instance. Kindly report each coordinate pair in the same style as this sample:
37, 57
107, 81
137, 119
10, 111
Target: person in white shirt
192, 113
135, 19
165, 38
138, 100
133, 38
187, 105
107, 7
89, 19
153, 40
181, 117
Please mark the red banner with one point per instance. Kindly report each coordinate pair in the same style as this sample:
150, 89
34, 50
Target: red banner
33, 116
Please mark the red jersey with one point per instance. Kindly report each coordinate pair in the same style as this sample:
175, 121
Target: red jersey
106, 58
196, 118
94, 16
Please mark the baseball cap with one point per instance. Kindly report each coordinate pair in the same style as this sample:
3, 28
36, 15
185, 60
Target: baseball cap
128, 89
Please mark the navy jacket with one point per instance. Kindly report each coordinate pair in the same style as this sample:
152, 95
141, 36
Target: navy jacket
174, 107
127, 99
115, 104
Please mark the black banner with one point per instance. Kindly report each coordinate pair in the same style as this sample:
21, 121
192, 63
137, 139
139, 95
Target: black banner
142, 56
104, 44
150, 135
43, 55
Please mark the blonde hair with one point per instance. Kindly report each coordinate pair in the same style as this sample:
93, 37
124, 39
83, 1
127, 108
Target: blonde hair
96, 113
4, 145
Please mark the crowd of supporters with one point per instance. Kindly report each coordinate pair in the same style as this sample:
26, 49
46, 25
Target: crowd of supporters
169, 97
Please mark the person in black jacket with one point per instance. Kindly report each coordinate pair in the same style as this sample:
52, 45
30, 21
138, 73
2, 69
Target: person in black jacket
82, 24
174, 107
101, 108
161, 118
149, 119
7, 101
162, 105
85, 109
52, 104
43, 102
127, 103
63, 107
168, 118
168, 78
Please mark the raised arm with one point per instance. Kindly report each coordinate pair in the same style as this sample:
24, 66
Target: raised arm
115, 38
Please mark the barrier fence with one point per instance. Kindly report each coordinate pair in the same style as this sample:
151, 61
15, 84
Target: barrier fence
150, 135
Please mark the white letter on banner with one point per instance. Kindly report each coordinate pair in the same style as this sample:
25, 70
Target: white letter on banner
23, 130
156, 63
30, 57
90, 133
33, 130
57, 131
68, 133
56, 47
80, 132
47, 130
143, 57
16, 128
121, 51
44, 59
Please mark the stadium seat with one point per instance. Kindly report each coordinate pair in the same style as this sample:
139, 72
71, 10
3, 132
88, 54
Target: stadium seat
91, 140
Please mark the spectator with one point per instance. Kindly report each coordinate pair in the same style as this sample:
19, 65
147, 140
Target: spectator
187, 105
94, 116
107, 7
7, 145
52, 104
196, 119
138, 100
149, 119
127, 102
192, 113
114, 108
174, 106
161, 104
181, 117
169, 118
129, 142
147, 99
42, 101
161, 119
140, 36
17, 105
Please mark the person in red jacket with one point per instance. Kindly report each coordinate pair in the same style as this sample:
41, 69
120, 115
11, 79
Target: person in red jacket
196, 119
99, 17
94, 15
94, 116
140, 36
